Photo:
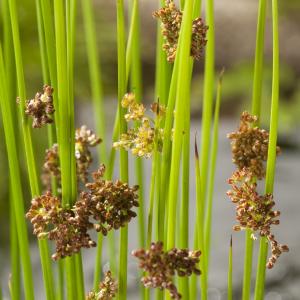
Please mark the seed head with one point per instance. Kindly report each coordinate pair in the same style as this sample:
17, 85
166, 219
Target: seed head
160, 266
249, 146
171, 19
109, 203
41, 107
254, 211
108, 289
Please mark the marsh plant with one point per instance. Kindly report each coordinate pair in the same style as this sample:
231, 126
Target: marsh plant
79, 201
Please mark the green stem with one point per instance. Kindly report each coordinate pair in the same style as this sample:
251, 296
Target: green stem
15, 279
229, 277
256, 110
208, 94
200, 203
183, 56
17, 194
212, 170
121, 39
271, 162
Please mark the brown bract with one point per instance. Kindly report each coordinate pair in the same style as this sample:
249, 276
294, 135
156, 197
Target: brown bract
108, 289
160, 266
171, 19
41, 107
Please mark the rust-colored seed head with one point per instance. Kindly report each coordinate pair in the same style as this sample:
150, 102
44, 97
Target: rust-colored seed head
171, 18
160, 266
108, 289
61, 225
249, 145
254, 211
109, 203
41, 107
84, 139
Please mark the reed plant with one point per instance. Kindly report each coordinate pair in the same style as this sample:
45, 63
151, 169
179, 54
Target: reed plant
75, 201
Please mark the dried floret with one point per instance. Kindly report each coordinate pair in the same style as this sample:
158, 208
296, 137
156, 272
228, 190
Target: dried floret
41, 108
84, 139
144, 135
254, 211
249, 145
160, 266
171, 19
59, 224
108, 289
70, 234
109, 203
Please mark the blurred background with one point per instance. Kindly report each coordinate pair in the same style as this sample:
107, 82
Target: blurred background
235, 46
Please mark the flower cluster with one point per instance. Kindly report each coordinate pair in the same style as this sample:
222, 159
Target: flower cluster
253, 211
109, 203
171, 18
41, 107
249, 145
61, 225
142, 138
84, 139
160, 266
108, 289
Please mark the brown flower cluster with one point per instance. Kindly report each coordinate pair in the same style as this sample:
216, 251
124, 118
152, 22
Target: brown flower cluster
108, 289
171, 18
84, 139
253, 211
160, 266
41, 107
109, 203
249, 145
142, 137
61, 225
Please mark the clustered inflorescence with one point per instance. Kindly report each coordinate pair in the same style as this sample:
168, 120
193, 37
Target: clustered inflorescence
253, 211
84, 139
171, 18
160, 266
41, 108
142, 137
108, 289
109, 204
250, 146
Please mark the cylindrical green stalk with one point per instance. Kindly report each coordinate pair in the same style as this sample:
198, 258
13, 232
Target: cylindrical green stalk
271, 162
256, 110
200, 203
33, 178
183, 56
17, 194
185, 195
66, 135
208, 94
121, 39
212, 169
229, 276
